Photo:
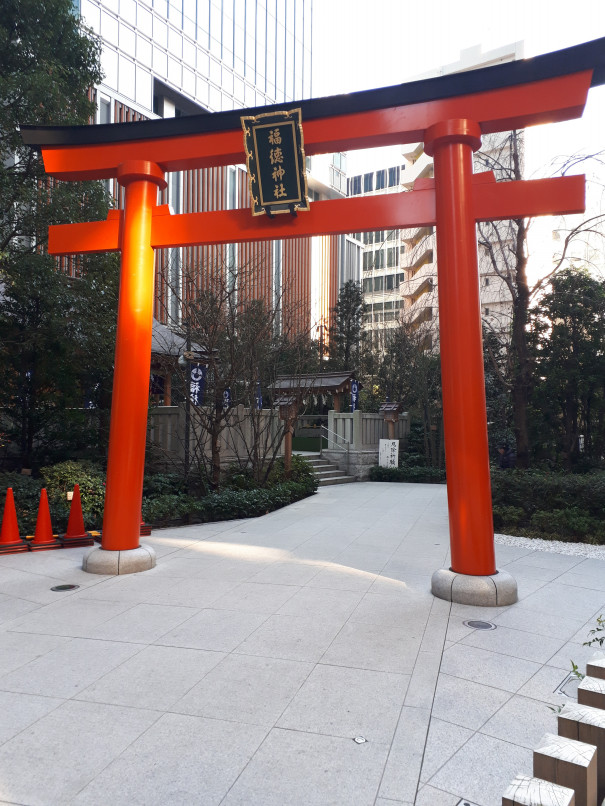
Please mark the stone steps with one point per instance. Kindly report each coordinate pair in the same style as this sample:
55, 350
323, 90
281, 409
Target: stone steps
326, 472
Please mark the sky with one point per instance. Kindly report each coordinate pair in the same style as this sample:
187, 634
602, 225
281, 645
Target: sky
362, 44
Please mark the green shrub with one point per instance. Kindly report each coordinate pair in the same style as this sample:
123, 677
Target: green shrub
511, 517
541, 491
167, 507
417, 474
26, 492
229, 504
301, 472
571, 524
158, 484
60, 479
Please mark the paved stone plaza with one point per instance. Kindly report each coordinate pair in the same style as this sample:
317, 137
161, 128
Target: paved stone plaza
240, 670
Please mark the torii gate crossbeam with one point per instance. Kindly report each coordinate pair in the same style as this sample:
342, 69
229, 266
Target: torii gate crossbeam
449, 115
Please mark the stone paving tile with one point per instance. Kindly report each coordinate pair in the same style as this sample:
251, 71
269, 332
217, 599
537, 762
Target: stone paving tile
489, 668
429, 796
565, 600
362, 646
305, 768
18, 649
11, 608
444, 739
155, 678
142, 623
180, 760
320, 601
465, 703
329, 654
574, 652
245, 688
482, 769
339, 701
292, 637
288, 573
218, 630
521, 721
68, 669
73, 617
342, 577
402, 771
523, 568
19, 711
253, 597
516, 643
53, 759
542, 686
539, 623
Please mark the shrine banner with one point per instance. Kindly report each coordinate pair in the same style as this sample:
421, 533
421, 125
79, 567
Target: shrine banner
275, 158
197, 382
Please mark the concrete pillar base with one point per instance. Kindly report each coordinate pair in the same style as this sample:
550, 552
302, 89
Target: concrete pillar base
101, 561
496, 590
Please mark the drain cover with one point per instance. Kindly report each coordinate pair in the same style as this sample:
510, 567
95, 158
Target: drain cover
479, 625
65, 587
464, 802
568, 687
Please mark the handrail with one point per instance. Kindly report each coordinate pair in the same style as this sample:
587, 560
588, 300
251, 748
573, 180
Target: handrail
334, 447
334, 434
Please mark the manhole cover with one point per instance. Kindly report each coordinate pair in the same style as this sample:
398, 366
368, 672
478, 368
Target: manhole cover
480, 625
464, 802
65, 587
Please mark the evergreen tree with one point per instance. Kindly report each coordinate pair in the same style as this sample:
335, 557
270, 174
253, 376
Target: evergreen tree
569, 397
56, 326
346, 334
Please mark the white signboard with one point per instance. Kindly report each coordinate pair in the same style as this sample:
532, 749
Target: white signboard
388, 453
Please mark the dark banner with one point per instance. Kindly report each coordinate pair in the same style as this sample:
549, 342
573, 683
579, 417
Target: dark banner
197, 382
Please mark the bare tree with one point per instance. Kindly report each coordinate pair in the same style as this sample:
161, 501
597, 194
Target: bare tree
503, 254
237, 345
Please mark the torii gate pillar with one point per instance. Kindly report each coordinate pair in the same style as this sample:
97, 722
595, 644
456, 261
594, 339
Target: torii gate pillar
472, 577
120, 552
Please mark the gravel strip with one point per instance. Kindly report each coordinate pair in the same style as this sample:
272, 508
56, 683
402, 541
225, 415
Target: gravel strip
556, 546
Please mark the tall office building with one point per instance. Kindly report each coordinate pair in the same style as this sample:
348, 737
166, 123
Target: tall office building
400, 266
165, 58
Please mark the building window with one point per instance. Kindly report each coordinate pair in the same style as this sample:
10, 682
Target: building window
367, 285
391, 257
368, 183
486, 311
378, 283
354, 186
368, 261
379, 259
394, 176
486, 281
390, 282
381, 179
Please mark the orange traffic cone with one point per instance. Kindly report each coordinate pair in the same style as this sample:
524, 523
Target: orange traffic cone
145, 529
76, 534
10, 542
44, 539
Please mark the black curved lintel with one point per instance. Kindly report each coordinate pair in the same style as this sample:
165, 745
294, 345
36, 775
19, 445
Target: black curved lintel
587, 56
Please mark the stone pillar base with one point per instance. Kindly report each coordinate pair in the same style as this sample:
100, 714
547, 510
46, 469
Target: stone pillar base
101, 561
496, 590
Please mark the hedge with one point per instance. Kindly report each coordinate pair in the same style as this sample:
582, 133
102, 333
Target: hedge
227, 505
532, 503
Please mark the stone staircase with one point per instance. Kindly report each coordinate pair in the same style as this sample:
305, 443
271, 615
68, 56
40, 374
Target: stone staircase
326, 472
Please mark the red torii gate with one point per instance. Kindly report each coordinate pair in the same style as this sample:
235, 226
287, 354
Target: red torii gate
449, 114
